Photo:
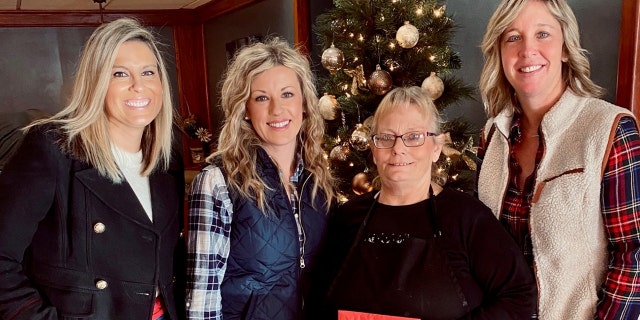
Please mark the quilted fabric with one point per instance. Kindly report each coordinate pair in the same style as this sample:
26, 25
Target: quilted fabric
264, 279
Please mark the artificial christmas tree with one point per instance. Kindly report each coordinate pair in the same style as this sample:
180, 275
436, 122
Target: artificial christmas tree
370, 46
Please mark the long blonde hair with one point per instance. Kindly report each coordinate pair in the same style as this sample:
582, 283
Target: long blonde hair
84, 120
496, 91
238, 141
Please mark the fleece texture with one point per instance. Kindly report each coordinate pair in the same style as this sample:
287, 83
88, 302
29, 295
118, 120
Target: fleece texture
566, 225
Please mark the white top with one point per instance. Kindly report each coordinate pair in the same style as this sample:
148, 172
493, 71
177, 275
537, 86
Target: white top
131, 165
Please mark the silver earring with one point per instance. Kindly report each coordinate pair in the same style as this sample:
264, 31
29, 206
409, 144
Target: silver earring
246, 118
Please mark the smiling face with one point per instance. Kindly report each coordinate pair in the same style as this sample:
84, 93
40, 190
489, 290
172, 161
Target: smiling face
532, 54
275, 108
134, 95
402, 166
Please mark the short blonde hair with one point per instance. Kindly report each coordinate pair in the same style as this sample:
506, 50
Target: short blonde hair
404, 96
496, 91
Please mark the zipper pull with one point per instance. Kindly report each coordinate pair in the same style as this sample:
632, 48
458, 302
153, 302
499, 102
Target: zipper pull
302, 265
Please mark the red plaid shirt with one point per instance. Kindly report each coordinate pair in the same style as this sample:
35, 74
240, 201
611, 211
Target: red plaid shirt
620, 202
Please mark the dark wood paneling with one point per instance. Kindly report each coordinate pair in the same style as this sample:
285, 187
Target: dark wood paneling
217, 8
27, 18
302, 24
192, 77
628, 88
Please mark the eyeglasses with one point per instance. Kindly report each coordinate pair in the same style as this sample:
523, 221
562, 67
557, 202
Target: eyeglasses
410, 139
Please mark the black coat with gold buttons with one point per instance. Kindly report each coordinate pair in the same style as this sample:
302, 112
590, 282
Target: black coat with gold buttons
75, 245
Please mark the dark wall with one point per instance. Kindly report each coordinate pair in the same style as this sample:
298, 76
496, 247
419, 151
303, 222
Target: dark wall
37, 65
265, 18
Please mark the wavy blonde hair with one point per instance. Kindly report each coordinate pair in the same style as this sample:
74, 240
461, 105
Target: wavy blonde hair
84, 120
496, 91
238, 141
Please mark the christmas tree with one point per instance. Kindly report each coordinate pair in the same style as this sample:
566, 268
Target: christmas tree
371, 46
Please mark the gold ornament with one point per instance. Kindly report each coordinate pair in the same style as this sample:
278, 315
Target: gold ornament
328, 105
433, 86
332, 59
358, 81
392, 65
361, 184
339, 152
440, 174
380, 81
359, 138
407, 35
461, 153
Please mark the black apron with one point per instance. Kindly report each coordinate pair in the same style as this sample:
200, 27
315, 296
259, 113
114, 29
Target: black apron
420, 285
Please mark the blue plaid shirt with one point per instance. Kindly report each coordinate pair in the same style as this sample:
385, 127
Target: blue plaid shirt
210, 212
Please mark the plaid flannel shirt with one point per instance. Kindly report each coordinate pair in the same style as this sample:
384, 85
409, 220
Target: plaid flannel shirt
620, 199
210, 213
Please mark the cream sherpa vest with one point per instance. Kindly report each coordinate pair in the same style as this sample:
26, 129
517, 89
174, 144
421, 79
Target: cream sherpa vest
567, 231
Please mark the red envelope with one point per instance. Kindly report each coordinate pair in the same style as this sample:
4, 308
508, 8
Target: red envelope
352, 315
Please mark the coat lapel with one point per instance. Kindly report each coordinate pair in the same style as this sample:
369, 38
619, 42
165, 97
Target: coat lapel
119, 197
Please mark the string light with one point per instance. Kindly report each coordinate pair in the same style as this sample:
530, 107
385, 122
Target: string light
419, 11
438, 12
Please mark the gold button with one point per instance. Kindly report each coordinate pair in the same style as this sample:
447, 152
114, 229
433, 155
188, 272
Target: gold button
101, 284
99, 227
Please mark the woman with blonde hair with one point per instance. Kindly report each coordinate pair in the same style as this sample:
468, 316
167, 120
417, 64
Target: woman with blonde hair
90, 206
257, 214
561, 166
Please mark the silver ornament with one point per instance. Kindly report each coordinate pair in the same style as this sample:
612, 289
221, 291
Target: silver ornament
380, 81
407, 35
332, 59
433, 86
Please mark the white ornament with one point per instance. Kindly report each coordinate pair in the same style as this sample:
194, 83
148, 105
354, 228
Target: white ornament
407, 35
433, 86
328, 105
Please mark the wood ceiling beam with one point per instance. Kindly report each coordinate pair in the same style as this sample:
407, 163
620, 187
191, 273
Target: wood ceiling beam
36, 18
